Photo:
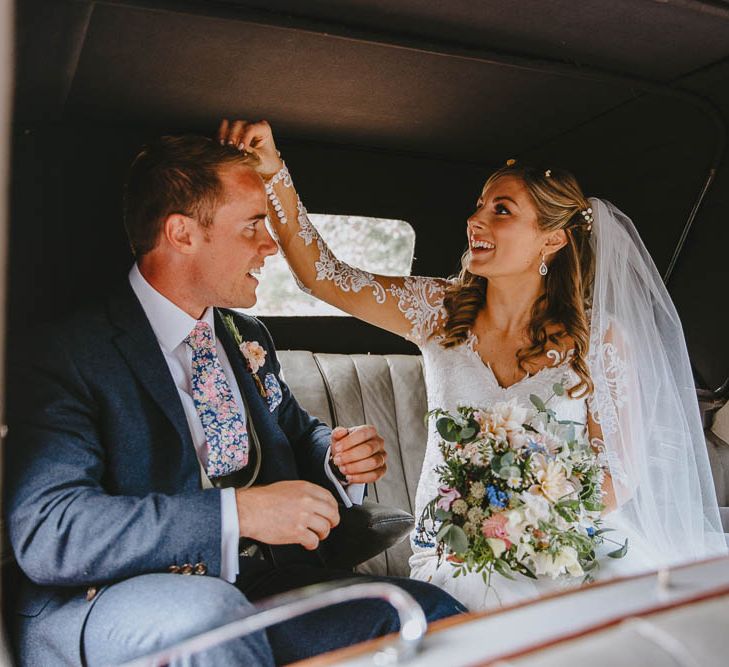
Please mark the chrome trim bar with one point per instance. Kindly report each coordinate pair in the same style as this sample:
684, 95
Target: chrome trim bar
284, 607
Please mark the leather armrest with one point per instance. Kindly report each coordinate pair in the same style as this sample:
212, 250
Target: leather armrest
363, 532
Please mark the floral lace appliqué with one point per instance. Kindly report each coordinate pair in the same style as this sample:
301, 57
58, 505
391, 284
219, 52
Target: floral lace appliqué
421, 301
609, 374
328, 267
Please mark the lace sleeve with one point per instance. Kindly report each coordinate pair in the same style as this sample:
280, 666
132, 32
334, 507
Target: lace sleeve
408, 306
421, 301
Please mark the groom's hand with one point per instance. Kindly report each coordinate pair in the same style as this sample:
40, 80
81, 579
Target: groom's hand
255, 138
359, 453
292, 512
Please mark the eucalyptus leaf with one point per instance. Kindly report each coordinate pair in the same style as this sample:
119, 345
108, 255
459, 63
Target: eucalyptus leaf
444, 530
619, 553
467, 433
558, 389
456, 539
589, 565
442, 515
503, 569
447, 429
538, 402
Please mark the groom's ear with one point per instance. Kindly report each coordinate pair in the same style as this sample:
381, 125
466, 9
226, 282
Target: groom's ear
180, 232
555, 241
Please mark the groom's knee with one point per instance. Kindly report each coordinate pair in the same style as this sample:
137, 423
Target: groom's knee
435, 602
151, 612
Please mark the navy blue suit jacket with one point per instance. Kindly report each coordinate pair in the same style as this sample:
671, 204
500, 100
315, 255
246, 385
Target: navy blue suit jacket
102, 479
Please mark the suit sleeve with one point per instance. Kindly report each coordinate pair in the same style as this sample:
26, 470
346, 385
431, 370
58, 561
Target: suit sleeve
309, 437
66, 529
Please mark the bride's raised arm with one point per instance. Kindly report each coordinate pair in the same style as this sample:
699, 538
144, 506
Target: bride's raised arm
406, 305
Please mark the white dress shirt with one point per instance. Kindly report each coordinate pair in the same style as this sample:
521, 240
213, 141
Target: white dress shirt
171, 326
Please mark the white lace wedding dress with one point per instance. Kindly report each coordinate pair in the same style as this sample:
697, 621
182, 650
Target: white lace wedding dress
457, 376
644, 398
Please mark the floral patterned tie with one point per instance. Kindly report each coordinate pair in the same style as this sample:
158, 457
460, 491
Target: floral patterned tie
225, 429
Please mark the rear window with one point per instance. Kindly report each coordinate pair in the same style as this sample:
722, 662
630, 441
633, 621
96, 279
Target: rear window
377, 245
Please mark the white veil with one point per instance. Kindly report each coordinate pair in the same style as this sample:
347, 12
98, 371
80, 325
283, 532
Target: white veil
645, 400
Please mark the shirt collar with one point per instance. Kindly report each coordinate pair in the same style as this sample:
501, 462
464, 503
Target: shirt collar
171, 324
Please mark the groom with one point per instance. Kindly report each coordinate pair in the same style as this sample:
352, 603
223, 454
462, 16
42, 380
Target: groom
159, 473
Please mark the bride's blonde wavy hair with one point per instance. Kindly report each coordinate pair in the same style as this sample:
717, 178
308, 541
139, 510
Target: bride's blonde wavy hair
567, 294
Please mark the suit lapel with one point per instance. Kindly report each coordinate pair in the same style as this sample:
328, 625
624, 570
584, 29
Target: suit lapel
138, 345
278, 460
255, 402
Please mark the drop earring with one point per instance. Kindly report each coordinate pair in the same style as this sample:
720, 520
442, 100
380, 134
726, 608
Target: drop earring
543, 268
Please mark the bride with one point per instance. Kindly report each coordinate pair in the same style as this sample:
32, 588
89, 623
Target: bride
554, 288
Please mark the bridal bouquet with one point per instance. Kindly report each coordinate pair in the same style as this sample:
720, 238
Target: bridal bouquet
521, 492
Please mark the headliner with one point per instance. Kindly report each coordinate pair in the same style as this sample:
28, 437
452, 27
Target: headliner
557, 82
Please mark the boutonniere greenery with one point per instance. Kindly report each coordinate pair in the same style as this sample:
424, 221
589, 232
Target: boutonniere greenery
253, 352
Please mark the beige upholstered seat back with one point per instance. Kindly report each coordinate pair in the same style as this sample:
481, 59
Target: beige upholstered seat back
717, 440
385, 390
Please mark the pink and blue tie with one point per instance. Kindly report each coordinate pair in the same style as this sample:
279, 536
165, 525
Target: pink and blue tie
224, 427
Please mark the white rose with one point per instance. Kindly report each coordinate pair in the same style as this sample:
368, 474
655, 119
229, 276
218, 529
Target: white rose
544, 564
536, 508
567, 558
497, 546
515, 525
564, 560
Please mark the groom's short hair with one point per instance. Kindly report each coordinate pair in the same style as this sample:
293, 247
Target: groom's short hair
175, 175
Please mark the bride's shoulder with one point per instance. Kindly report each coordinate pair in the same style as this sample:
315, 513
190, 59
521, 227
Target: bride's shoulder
420, 291
420, 299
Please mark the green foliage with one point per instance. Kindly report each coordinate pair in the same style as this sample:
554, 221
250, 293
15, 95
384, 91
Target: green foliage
538, 402
619, 553
447, 429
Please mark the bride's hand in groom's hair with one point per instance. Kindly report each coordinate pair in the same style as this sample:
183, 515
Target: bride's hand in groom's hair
256, 138
359, 453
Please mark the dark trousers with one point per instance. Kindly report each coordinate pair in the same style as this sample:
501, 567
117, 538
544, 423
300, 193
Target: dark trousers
145, 614
342, 624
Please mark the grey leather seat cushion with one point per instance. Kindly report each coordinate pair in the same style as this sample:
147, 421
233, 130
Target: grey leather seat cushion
385, 390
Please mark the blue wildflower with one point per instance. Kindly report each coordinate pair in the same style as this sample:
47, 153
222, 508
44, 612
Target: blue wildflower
496, 498
591, 531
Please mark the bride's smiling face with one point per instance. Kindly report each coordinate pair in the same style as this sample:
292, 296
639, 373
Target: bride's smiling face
503, 235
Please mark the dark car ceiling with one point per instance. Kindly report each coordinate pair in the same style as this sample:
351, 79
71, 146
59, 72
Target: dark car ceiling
585, 84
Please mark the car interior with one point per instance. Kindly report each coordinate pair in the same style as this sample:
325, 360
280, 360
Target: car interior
390, 109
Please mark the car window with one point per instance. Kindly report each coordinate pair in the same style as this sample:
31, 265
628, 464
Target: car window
378, 245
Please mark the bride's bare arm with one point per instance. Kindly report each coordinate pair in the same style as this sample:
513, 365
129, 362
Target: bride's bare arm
406, 305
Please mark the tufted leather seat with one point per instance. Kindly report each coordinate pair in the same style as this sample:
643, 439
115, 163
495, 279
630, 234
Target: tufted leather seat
717, 441
385, 390
389, 392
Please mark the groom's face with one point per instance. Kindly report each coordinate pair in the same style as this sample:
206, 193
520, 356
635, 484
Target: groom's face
236, 243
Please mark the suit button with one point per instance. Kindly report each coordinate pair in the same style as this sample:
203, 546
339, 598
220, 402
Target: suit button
91, 592
186, 569
200, 568
174, 569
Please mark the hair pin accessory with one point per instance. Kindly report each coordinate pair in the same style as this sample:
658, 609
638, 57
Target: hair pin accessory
587, 215
510, 162
548, 173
